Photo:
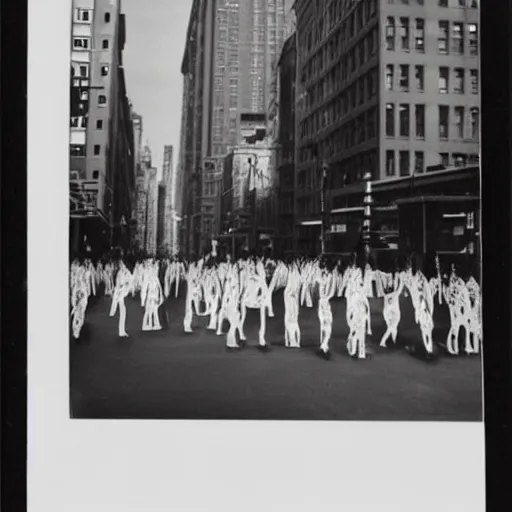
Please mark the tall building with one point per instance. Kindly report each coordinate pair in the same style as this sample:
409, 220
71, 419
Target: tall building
286, 141
160, 226
389, 88
102, 177
170, 180
227, 67
151, 246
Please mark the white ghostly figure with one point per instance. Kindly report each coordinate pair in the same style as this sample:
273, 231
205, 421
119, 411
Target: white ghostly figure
108, 279
391, 310
152, 297
124, 284
79, 300
194, 295
291, 298
457, 297
358, 312
212, 290
474, 314
423, 302
256, 295
326, 290
231, 305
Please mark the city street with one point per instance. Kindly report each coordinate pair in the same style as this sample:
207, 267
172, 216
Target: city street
173, 375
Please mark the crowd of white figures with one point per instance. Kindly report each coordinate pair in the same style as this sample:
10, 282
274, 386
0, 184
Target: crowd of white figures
226, 290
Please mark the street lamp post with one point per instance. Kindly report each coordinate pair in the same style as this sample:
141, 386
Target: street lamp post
366, 231
323, 190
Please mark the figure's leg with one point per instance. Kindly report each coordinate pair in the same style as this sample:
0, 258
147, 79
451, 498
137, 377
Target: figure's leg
122, 319
286, 334
263, 325
157, 326
220, 322
242, 321
385, 337
362, 342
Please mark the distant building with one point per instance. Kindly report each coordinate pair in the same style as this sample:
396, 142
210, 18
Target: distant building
286, 141
151, 212
102, 177
230, 51
160, 229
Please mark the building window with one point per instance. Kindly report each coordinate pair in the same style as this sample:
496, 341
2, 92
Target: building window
443, 121
473, 158
390, 33
458, 82
77, 150
443, 3
419, 162
390, 76
81, 43
474, 81
404, 159
404, 77
444, 159
84, 70
104, 44
419, 114
419, 74
84, 95
95, 175
458, 38
104, 70
83, 15
99, 124
390, 163
475, 122
404, 33
390, 120
107, 17
419, 44
442, 40
473, 39
102, 99
404, 120
459, 121
97, 149
443, 80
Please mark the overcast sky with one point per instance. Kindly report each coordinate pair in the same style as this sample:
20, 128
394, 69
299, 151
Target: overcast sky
155, 41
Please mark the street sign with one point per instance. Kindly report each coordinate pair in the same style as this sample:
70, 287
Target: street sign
338, 228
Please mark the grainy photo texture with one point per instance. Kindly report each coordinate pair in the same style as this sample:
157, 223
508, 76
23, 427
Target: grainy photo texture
275, 210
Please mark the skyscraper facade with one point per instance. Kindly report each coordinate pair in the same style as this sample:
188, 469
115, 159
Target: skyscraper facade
386, 88
101, 133
170, 181
151, 246
230, 52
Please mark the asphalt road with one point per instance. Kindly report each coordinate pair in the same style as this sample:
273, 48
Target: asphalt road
172, 375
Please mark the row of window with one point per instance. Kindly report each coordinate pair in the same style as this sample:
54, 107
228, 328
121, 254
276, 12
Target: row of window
81, 122
397, 78
102, 99
441, 3
459, 121
84, 43
458, 3
418, 164
458, 36
79, 150
86, 15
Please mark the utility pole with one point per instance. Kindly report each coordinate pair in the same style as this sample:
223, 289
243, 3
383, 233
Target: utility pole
323, 190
